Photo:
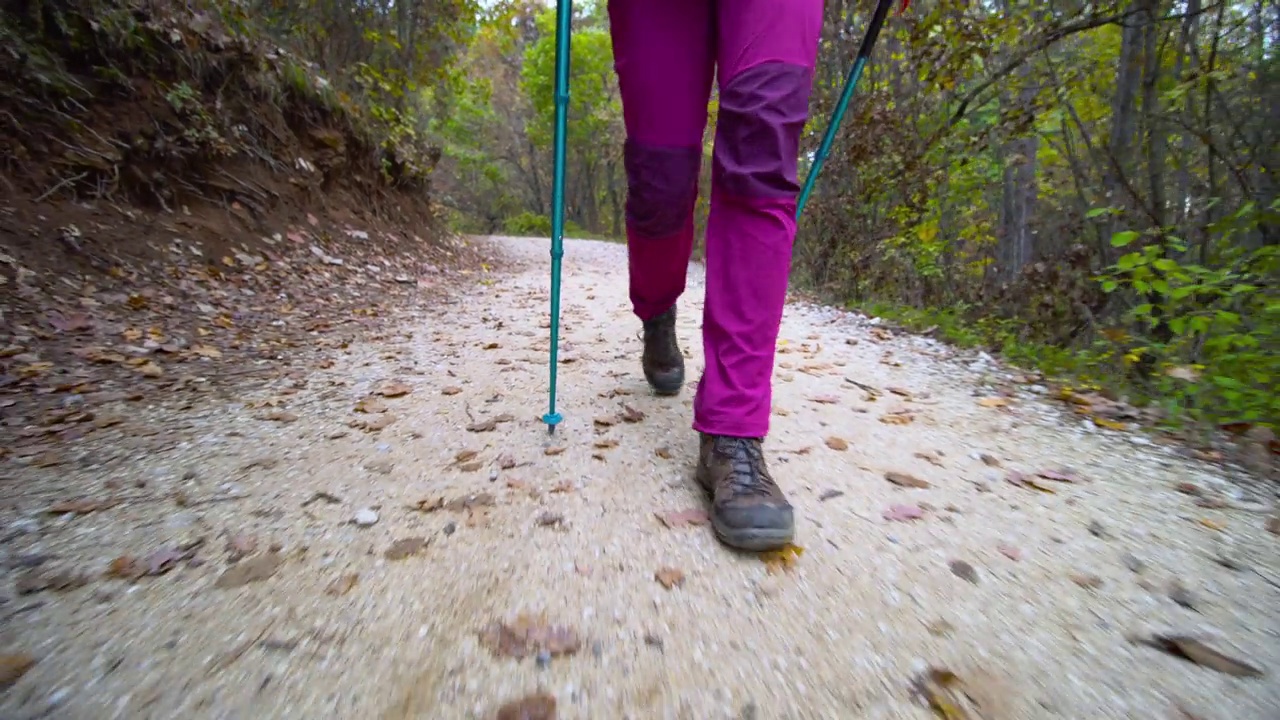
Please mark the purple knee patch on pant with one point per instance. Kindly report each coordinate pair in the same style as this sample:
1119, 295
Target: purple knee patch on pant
762, 113
662, 183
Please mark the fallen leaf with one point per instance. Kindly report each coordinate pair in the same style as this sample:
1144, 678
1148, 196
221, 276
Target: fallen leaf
829, 495
1088, 581
485, 426
556, 450
669, 577
564, 486
663, 452
606, 421
280, 416
528, 635
407, 547
1063, 475
474, 500
1212, 524
897, 418
465, 455
539, 706
471, 466
506, 462
994, 402
240, 546
255, 569
838, 444
1108, 424
394, 389
930, 456
13, 666
548, 518
902, 392
784, 558
371, 405
676, 519
989, 460
903, 513
946, 694
325, 497
907, 480
342, 584
1193, 650
824, 399
630, 414
964, 571
1181, 595
450, 390
1009, 551
150, 369
1022, 480
606, 444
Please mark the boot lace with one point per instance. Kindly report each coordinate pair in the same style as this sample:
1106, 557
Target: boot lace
746, 457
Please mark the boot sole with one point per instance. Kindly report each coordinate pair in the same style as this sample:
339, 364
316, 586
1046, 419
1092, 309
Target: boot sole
749, 539
666, 389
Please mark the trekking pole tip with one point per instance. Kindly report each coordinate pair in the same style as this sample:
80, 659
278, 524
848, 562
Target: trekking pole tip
552, 419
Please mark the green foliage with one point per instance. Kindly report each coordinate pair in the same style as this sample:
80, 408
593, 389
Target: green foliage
527, 224
1213, 331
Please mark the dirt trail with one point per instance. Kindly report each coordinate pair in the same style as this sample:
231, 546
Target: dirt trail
867, 606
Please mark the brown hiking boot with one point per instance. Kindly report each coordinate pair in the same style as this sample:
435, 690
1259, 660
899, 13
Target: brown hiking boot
748, 510
662, 361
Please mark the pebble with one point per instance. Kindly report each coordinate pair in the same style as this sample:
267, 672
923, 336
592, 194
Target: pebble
24, 526
365, 517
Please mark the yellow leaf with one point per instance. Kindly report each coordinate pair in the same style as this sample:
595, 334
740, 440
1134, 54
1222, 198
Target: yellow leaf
132, 334
784, 558
223, 321
1212, 524
994, 402
137, 302
228, 261
207, 351
202, 332
1109, 424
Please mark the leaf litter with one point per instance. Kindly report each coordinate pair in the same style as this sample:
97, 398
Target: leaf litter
782, 559
529, 635
676, 519
669, 577
1193, 650
538, 706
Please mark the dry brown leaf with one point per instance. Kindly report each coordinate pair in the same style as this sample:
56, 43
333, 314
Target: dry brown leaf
255, 569
450, 390
13, 666
468, 502
394, 389
606, 420
606, 444
663, 452
669, 577
1088, 581
556, 450
484, 426
465, 455
1193, 650
964, 571
994, 402
784, 558
539, 706
280, 416
506, 461
907, 480
947, 695
529, 635
549, 518
630, 414
342, 585
989, 460
838, 444
675, 519
1022, 480
824, 399
930, 456
406, 547
898, 418
240, 546
371, 405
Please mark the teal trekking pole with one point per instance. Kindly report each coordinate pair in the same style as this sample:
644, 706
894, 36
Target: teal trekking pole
846, 94
564, 14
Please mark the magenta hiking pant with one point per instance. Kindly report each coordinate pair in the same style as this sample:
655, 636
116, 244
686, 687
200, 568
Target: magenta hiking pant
666, 53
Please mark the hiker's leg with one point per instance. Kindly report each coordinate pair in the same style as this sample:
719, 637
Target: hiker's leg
664, 55
766, 50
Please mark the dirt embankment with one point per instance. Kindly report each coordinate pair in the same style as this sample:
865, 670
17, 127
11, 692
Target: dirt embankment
181, 195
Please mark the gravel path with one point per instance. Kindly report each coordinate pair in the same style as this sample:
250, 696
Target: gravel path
1030, 597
